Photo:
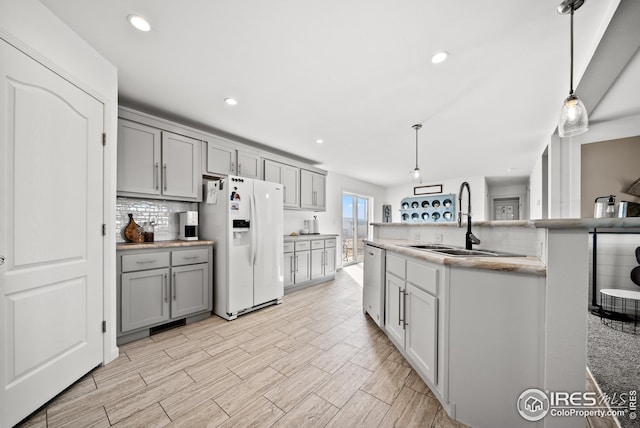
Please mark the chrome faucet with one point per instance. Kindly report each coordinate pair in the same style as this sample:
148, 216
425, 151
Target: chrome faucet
470, 238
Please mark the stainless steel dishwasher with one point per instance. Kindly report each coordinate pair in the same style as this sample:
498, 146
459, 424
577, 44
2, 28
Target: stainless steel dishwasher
373, 283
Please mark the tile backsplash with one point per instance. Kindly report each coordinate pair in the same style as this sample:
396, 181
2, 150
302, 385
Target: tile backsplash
165, 214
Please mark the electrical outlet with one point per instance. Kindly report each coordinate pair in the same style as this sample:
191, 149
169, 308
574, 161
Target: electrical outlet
437, 237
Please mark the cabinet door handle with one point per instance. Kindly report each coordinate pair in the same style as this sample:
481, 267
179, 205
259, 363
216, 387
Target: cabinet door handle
164, 289
239, 168
233, 168
156, 177
165, 176
400, 320
174, 285
296, 263
404, 310
142, 262
284, 193
189, 257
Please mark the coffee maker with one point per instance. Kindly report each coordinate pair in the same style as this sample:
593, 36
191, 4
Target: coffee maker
188, 226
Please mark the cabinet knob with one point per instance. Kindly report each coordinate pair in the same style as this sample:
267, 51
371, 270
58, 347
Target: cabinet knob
2, 260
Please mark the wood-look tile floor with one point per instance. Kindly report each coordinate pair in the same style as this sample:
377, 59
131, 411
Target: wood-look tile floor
313, 361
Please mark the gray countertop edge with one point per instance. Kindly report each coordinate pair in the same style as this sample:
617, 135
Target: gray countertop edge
160, 244
560, 223
528, 265
309, 237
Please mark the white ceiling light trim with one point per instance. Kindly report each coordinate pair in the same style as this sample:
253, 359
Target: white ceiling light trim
139, 22
319, 141
231, 101
439, 57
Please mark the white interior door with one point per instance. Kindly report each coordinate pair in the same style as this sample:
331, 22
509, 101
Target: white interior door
51, 209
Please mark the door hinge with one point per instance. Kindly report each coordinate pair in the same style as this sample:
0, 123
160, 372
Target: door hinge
104, 229
104, 138
104, 326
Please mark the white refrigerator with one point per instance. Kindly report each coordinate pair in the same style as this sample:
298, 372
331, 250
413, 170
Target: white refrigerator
244, 219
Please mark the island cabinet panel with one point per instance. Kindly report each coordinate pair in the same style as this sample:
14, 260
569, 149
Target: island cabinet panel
412, 320
394, 324
421, 339
496, 339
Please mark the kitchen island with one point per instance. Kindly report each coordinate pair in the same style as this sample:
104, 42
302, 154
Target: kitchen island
482, 330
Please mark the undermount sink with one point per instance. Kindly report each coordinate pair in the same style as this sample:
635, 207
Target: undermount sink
429, 246
459, 252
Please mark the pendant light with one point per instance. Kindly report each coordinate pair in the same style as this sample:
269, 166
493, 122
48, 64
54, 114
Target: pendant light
573, 117
417, 176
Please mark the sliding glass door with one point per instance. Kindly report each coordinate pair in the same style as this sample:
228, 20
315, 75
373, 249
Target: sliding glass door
355, 227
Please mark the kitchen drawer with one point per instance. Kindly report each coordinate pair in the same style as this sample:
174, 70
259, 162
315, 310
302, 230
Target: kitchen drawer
317, 244
303, 245
189, 257
423, 276
133, 262
288, 247
330, 242
396, 265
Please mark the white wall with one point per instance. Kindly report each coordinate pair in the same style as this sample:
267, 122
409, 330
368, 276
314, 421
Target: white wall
330, 221
536, 190
395, 194
31, 27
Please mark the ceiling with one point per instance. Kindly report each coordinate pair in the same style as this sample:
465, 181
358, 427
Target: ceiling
356, 74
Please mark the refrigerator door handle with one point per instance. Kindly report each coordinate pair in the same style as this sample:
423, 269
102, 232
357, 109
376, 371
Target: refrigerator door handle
253, 230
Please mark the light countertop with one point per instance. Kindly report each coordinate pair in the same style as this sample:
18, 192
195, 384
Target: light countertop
560, 223
289, 238
526, 264
160, 244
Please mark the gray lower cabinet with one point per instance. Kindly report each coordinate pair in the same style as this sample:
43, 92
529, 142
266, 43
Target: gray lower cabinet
160, 286
144, 300
308, 262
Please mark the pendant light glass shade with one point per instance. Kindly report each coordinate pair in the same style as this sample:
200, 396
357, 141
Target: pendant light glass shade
417, 176
574, 119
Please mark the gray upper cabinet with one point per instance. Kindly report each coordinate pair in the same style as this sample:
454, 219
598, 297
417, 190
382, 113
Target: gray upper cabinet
312, 190
223, 158
220, 159
139, 158
157, 164
249, 165
289, 177
180, 172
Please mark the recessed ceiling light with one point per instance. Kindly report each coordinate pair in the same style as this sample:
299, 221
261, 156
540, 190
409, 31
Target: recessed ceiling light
139, 22
231, 101
439, 57
319, 141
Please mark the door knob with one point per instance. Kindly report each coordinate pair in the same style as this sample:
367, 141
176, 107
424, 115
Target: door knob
1, 260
